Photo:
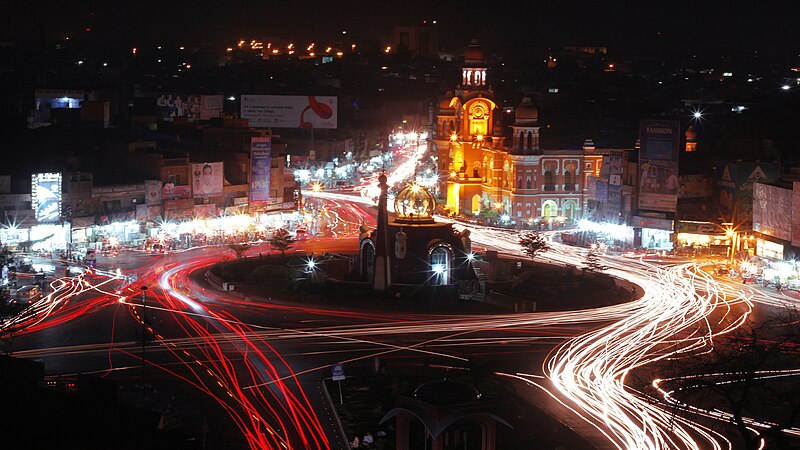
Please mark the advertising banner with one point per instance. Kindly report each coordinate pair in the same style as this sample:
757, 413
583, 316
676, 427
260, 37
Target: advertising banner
770, 207
174, 192
207, 179
658, 165
694, 186
615, 170
184, 203
205, 211
152, 192
192, 107
290, 111
46, 197
260, 163
601, 194
796, 214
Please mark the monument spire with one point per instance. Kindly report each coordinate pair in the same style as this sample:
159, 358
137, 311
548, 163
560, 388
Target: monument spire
382, 281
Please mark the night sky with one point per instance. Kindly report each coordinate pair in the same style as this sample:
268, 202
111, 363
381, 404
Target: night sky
629, 26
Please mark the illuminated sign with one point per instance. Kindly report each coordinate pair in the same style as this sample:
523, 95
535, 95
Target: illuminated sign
260, 164
289, 111
46, 197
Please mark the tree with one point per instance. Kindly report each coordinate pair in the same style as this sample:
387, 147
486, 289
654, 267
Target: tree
239, 249
489, 214
281, 240
751, 375
533, 243
592, 262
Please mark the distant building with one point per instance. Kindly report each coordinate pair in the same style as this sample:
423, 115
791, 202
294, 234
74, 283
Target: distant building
419, 40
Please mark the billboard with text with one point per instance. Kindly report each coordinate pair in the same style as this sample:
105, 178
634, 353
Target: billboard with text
658, 165
260, 164
290, 111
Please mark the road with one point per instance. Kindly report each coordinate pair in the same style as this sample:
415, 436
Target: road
261, 362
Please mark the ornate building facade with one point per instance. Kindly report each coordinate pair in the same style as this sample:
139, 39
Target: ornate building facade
483, 169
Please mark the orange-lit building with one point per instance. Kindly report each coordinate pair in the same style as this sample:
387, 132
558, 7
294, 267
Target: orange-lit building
482, 169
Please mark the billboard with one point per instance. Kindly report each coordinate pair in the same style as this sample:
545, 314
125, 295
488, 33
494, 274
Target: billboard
770, 207
171, 191
658, 165
207, 179
290, 111
735, 184
46, 197
152, 192
193, 107
694, 186
260, 163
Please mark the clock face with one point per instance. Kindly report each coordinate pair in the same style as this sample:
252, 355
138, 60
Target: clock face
479, 110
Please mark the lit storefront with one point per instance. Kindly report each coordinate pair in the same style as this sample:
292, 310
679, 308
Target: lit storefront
703, 235
656, 233
769, 249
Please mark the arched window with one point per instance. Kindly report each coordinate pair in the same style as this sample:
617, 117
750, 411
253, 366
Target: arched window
549, 208
569, 181
506, 173
440, 264
569, 210
476, 204
549, 181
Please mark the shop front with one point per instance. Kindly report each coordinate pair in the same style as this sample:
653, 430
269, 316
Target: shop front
769, 249
652, 233
702, 237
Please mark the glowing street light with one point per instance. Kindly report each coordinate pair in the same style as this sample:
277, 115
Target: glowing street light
786, 87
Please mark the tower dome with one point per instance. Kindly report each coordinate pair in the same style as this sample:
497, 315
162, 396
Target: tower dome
527, 113
690, 134
414, 204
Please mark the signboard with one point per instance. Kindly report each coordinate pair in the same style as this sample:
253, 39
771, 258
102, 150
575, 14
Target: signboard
152, 192
185, 203
658, 165
260, 163
46, 197
192, 107
337, 371
770, 207
170, 191
207, 179
699, 228
290, 111
205, 211
651, 222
